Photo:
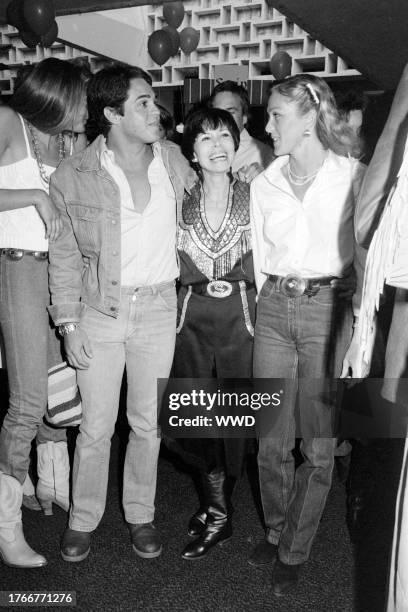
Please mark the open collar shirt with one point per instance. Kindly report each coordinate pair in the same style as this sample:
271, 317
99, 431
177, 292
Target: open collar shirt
148, 238
313, 237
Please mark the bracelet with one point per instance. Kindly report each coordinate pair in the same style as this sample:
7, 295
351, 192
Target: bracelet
67, 328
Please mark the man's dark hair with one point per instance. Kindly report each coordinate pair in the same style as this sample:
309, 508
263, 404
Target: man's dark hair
109, 88
234, 88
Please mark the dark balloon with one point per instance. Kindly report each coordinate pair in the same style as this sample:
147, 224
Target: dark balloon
30, 39
189, 38
159, 46
281, 65
39, 15
173, 12
50, 37
15, 16
174, 37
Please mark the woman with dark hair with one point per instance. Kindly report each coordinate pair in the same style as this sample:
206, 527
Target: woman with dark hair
216, 305
303, 238
37, 128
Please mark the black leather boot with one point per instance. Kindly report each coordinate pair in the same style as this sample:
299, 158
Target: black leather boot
218, 527
197, 522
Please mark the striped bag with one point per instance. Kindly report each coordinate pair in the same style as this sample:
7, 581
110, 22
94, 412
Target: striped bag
64, 401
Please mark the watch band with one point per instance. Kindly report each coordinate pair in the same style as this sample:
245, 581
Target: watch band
67, 328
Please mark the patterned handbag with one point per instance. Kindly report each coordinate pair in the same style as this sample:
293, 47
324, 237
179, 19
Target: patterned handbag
64, 401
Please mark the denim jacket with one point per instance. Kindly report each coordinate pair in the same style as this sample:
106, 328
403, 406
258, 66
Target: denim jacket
85, 260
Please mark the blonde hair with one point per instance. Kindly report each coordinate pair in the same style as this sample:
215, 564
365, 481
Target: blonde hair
312, 93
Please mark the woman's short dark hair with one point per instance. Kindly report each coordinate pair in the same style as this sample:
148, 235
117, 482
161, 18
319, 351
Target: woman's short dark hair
109, 88
201, 120
49, 94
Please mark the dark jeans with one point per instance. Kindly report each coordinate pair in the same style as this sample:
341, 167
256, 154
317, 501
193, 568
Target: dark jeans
30, 347
304, 339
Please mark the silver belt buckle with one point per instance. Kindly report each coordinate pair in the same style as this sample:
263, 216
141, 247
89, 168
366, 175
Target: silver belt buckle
293, 285
39, 255
15, 254
219, 288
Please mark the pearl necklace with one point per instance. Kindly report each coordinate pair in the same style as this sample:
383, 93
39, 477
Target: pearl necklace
301, 180
37, 154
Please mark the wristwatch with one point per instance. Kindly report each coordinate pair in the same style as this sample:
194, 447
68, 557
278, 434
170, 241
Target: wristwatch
67, 328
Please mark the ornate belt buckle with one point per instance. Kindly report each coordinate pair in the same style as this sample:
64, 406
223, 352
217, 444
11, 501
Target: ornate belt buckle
293, 285
15, 254
219, 288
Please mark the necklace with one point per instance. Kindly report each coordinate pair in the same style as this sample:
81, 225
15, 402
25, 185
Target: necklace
37, 154
302, 180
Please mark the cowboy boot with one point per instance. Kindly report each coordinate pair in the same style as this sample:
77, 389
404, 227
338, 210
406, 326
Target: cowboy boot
14, 550
218, 526
53, 476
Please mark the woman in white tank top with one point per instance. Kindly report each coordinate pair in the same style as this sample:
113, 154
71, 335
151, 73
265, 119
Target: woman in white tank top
47, 104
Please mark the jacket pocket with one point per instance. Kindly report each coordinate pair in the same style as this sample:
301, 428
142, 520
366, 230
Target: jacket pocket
86, 223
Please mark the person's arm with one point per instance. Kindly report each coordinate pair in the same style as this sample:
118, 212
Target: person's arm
65, 282
384, 165
12, 199
258, 247
353, 364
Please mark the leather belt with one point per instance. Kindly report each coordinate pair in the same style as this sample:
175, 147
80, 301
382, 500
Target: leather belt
219, 288
293, 285
17, 254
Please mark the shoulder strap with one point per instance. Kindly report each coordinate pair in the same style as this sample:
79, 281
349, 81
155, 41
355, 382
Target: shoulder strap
25, 136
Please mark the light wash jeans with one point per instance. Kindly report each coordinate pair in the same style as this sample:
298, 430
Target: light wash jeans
30, 347
143, 339
304, 339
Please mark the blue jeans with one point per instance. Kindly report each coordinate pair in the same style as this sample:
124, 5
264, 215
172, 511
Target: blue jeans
142, 338
304, 339
31, 346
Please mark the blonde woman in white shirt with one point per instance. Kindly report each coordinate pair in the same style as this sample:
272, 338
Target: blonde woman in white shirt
302, 209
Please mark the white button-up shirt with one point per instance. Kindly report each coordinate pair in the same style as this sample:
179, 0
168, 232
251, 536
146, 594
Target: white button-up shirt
148, 239
313, 237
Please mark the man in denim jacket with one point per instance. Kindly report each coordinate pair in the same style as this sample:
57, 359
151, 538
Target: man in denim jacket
112, 273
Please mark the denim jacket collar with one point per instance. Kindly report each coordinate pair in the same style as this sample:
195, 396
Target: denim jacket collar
91, 158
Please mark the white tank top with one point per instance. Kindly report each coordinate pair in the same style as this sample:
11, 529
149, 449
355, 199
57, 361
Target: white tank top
23, 228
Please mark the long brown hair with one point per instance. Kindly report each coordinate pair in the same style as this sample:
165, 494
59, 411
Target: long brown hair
49, 95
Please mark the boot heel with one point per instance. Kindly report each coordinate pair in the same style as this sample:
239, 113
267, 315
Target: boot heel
46, 505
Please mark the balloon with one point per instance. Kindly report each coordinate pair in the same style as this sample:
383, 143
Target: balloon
173, 12
281, 64
189, 38
39, 15
174, 37
15, 15
159, 46
50, 37
30, 39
